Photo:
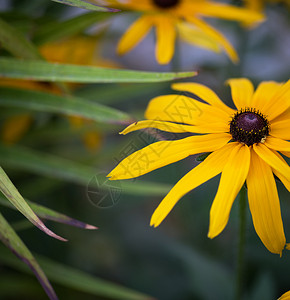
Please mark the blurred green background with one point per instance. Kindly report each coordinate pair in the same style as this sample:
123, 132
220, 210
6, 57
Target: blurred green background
51, 165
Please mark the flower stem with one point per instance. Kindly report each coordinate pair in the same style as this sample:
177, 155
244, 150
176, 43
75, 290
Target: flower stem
241, 249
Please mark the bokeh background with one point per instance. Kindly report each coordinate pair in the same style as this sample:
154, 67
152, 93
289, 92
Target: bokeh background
175, 261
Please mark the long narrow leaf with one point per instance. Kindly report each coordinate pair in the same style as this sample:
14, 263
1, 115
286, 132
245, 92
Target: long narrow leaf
14, 42
58, 30
78, 280
44, 71
12, 194
86, 5
48, 102
49, 214
15, 244
45, 164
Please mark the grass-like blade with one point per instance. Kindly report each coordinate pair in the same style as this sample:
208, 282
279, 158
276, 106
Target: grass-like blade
58, 30
44, 71
86, 5
11, 193
76, 279
13, 41
47, 102
49, 214
10, 238
21, 158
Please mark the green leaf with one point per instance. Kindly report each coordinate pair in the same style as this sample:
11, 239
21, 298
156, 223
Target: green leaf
78, 280
58, 30
47, 102
44, 71
15, 244
14, 42
12, 194
49, 165
86, 5
49, 214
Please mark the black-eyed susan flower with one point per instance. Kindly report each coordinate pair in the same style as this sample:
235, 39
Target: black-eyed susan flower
185, 17
244, 145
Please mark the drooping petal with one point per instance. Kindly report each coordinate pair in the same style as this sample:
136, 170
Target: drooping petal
232, 179
177, 128
264, 205
210, 31
279, 103
203, 92
272, 160
285, 296
228, 12
264, 94
196, 37
165, 39
206, 170
163, 153
134, 34
242, 92
277, 144
281, 129
285, 153
283, 179
182, 109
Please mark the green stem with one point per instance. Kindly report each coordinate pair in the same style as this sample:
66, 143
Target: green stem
241, 249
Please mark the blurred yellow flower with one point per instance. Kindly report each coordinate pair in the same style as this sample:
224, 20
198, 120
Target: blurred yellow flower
244, 145
182, 16
77, 50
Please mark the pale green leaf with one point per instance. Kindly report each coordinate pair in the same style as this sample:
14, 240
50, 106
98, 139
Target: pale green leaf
44, 71
86, 5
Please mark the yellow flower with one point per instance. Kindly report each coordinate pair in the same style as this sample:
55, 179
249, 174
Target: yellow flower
285, 296
244, 145
182, 16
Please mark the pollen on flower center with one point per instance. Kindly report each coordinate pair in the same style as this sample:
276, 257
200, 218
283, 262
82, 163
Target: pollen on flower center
249, 126
165, 3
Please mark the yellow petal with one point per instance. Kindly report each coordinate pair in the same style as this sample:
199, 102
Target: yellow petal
232, 179
281, 129
277, 144
177, 128
203, 92
15, 127
285, 296
272, 160
242, 92
283, 179
136, 32
284, 116
285, 153
196, 37
206, 170
182, 109
210, 31
264, 205
280, 102
165, 39
264, 94
229, 12
163, 153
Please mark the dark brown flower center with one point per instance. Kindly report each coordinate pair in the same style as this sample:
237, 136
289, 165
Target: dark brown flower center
165, 3
249, 126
